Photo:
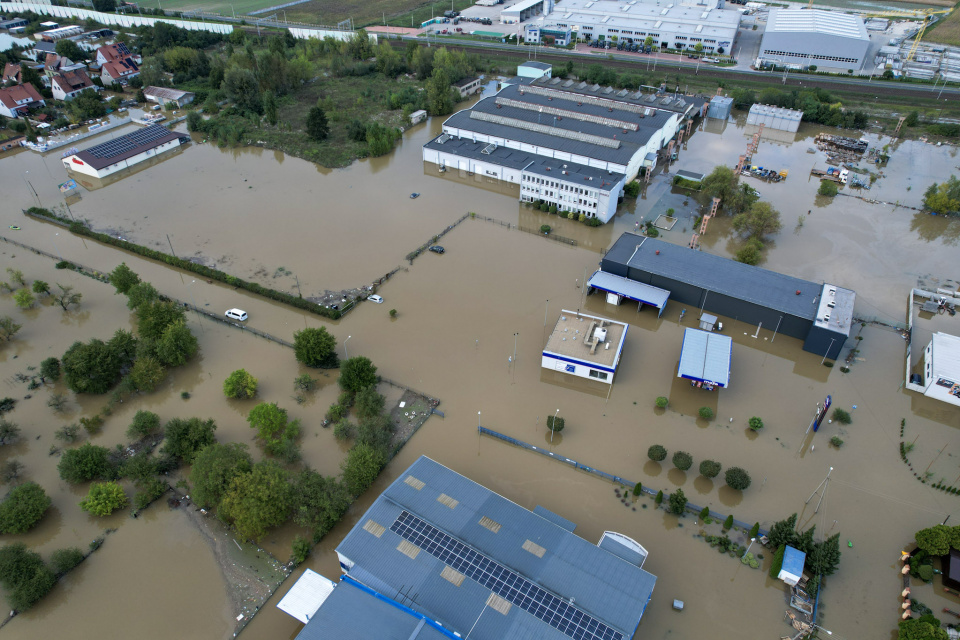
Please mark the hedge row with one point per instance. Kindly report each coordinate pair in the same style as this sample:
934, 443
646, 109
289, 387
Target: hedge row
203, 270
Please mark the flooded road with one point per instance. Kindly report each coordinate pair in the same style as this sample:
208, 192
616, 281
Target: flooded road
457, 316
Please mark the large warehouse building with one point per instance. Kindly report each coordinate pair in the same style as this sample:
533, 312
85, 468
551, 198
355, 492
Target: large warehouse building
675, 25
438, 556
805, 37
820, 314
126, 151
570, 144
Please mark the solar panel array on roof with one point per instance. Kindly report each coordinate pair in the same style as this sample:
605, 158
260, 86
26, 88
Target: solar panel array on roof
128, 142
505, 583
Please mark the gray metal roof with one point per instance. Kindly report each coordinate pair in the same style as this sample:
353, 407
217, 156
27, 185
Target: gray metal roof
632, 289
560, 521
598, 583
629, 141
466, 148
705, 356
690, 175
353, 612
721, 275
536, 65
678, 103
591, 177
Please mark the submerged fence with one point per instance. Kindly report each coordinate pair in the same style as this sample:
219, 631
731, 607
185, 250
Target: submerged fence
602, 474
509, 225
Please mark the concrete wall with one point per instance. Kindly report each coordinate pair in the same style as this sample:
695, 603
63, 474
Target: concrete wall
111, 18
123, 164
575, 369
824, 342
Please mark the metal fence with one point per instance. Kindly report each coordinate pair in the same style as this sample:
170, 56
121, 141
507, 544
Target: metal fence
509, 225
603, 474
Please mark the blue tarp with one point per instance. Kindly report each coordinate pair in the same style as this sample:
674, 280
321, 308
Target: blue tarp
705, 357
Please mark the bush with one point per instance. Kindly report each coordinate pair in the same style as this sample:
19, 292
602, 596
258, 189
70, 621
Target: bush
705, 412
704, 513
86, 462
637, 489
336, 412
842, 416
657, 453
544, 229
754, 530
751, 253
23, 508
300, 550
737, 478
214, 468
50, 369
361, 468
24, 575
836, 441
555, 423
755, 423
104, 498
728, 523
357, 373
662, 402
632, 189
678, 502
710, 468
682, 460
63, 560
344, 430
240, 385
659, 498
184, 438
144, 423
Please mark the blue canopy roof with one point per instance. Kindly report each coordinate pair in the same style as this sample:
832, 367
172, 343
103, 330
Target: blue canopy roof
705, 357
631, 289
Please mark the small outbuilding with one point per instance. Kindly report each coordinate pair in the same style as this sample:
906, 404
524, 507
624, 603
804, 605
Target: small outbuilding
617, 288
705, 358
164, 96
585, 346
792, 569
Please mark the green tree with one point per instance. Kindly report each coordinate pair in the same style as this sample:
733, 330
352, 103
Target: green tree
361, 468
315, 347
23, 298
659, 499
240, 385
737, 478
637, 489
678, 502
24, 575
50, 369
141, 294
241, 86
86, 462
258, 500
912, 119
154, 318
369, 402
698, 47
23, 508
841, 416
662, 402
935, 540
185, 437
8, 328
317, 127
86, 105
145, 423
319, 502
783, 532
825, 557
104, 6
41, 288
754, 530
728, 523
682, 460
755, 423
657, 453
710, 468
66, 297
63, 560
177, 344
751, 253
104, 498
439, 98
93, 367
357, 373
705, 513
9, 432
828, 188
921, 629
147, 373
705, 412
270, 107
214, 469
720, 183
760, 220
67, 48
268, 419
123, 278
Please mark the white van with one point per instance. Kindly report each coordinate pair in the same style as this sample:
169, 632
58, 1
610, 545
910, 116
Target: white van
236, 314
375, 298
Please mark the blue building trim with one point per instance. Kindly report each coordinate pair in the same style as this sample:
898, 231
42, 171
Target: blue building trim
591, 365
436, 625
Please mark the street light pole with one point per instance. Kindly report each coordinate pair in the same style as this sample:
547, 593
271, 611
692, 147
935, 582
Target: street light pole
515, 348
478, 419
346, 356
553, 427
752, 540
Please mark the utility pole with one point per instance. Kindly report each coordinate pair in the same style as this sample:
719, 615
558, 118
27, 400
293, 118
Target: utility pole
826, 481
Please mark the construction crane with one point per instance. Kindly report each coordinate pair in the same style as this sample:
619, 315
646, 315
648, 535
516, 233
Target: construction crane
927, 14
908, 14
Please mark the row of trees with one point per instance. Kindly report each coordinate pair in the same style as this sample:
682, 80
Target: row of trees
735, 477
818, 105
752, 219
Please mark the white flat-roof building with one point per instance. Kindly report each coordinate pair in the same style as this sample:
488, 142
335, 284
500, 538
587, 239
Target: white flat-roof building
125, 151
670, 25
941, 368
534, 69
585, 346
805, 37
772, 117
524, 10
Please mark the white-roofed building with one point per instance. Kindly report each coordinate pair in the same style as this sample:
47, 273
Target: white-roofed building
941, 368
805, 37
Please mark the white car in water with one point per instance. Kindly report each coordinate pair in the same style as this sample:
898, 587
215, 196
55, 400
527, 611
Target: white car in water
375, 298
236, 314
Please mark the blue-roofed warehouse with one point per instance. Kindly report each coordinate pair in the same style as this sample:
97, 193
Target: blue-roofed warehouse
792, 569
469, 561
705, 357
820, 314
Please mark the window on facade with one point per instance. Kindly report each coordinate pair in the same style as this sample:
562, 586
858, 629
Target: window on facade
599, 375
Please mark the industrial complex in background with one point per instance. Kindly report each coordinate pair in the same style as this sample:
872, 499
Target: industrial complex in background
439, 556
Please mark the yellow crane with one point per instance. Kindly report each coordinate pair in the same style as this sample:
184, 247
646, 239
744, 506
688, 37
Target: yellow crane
927, 14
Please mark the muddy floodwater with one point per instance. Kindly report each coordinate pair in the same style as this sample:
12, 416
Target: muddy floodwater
253, 211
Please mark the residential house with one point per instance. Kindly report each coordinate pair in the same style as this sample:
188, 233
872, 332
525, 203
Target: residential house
39, 51
15, 101
12, 73
120, 71
68, 85
112, 53
55, 64
164, 96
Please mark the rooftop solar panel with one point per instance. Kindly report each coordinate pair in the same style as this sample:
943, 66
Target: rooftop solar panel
128, 142
504, 582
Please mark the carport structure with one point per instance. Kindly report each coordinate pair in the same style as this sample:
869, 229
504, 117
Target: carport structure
617, 288
705, 357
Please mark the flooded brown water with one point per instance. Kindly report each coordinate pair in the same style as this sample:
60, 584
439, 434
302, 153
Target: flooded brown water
457, 314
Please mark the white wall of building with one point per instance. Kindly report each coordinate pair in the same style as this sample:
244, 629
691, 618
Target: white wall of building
86, 169
932, 373
575, 369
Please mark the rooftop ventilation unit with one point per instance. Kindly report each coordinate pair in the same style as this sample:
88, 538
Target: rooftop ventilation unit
490, 148
831, 304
